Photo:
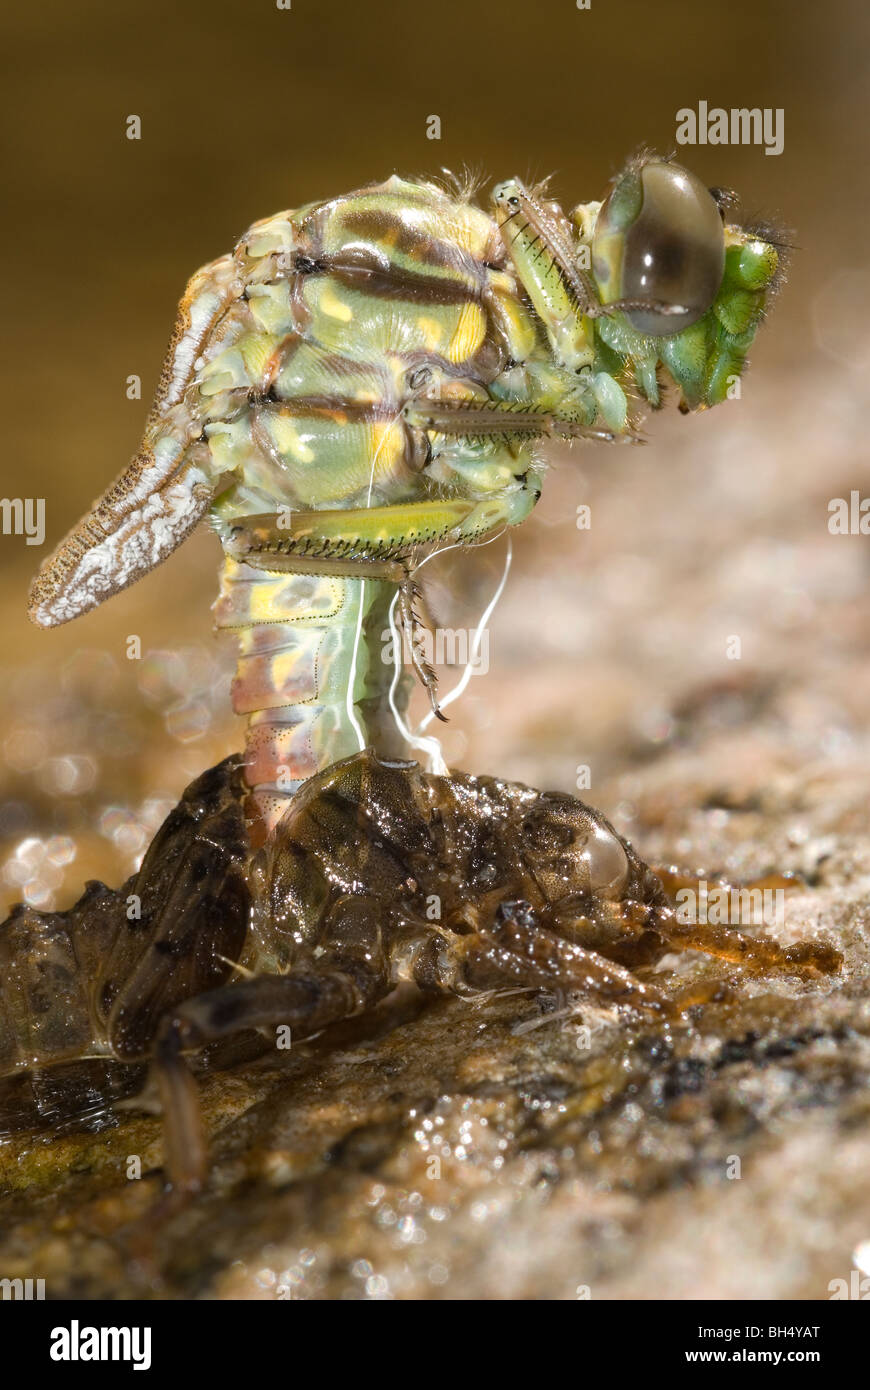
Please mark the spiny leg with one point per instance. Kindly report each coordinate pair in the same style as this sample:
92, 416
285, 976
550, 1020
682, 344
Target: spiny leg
410, 594
313, 673
259, 542
673, 880
336, 542
504, 419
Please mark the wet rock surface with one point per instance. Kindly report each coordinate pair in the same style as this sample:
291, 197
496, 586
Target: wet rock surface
454, 1157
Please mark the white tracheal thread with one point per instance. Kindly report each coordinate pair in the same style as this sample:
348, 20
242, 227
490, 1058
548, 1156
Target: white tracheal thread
351, 712
376, 455
461, 685
348, 701
430, 745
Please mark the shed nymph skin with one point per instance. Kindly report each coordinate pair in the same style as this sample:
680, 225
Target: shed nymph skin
379, 875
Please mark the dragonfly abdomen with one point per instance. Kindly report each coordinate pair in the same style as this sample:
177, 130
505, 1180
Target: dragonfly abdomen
313, 674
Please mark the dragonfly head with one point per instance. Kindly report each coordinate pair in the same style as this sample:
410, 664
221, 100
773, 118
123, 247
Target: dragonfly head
692, 286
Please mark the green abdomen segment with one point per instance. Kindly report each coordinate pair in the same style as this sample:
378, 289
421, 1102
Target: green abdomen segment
311, 675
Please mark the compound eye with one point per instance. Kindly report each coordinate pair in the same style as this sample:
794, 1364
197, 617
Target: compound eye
572, 852
607, 862
659, 237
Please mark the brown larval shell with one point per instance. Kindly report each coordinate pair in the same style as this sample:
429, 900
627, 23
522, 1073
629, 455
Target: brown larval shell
380, 873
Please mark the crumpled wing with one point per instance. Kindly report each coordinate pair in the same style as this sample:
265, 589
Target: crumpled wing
133, 526
165, 490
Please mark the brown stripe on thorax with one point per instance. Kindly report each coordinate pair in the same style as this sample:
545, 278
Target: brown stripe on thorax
389, 231
364, 274
332, 408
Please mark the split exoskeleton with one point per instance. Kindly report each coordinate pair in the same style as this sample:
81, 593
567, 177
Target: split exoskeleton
379, 874
368, 378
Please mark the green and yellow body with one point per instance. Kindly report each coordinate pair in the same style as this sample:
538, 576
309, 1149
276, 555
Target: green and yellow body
359, 381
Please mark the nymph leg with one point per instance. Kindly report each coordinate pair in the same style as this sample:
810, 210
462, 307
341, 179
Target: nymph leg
528, 954
304, 1003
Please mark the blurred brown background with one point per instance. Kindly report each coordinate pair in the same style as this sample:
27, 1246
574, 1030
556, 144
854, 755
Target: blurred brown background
609, 642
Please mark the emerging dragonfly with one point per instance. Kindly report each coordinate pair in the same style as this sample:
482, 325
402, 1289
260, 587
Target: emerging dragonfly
365, 379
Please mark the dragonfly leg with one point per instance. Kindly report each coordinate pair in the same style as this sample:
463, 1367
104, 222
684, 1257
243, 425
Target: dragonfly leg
540, 243
378, 541
258, 542
410, 595
504, 419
